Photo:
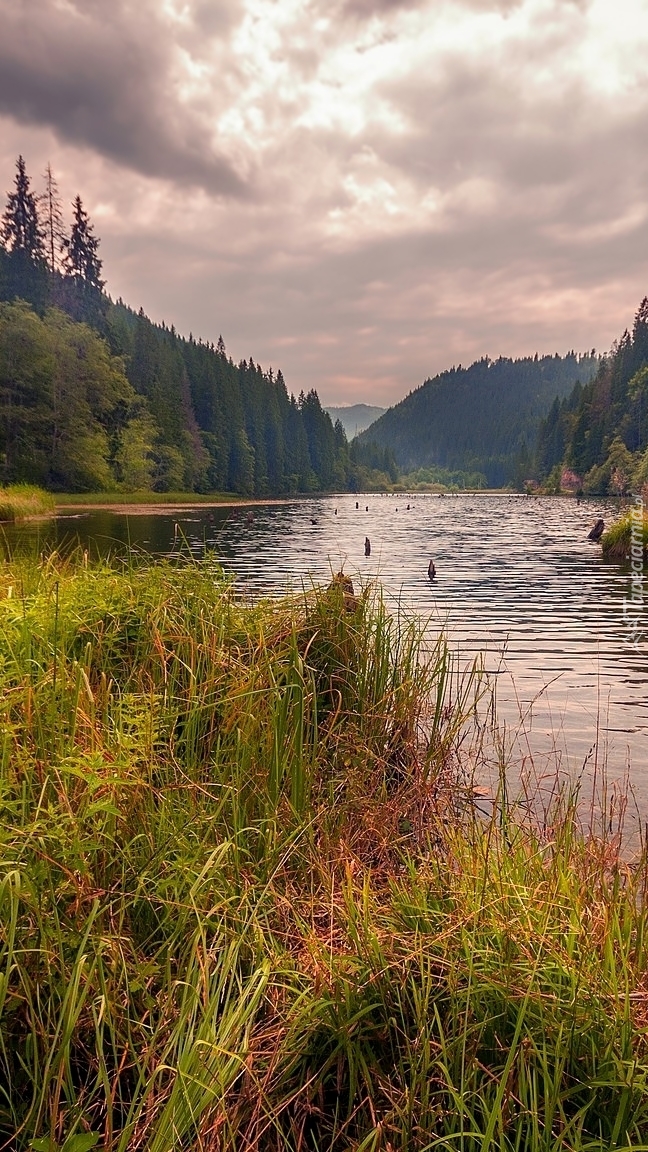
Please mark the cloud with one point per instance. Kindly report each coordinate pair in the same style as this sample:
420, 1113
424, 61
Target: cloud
102, 76
368, 8
361, 192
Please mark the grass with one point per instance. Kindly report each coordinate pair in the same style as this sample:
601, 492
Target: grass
617, 541
243, 905
21, 501
64, 499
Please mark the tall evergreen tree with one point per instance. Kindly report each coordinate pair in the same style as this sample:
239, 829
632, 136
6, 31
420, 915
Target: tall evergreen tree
21, 230
52, 216
195, 420
81, 259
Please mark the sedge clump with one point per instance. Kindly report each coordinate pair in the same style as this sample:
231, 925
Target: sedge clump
243, 905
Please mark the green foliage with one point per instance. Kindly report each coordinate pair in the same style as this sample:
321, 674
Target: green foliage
628, 529
369, 456
433, 479
615, 475
479, 419
21, 231
81, 250
65, 404
243, 906
20, 501
601, 430
201, 422
134, 457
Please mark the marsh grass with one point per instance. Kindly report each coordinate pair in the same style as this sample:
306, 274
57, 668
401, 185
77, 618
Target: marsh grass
617, 541
21, 501
243, 906
147, 497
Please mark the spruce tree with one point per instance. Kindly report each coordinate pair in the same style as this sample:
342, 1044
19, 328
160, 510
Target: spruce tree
21, 230
52, 214
81, 259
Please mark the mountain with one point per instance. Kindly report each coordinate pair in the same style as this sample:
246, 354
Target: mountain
599, 434
95, 396
354, 418
484, 418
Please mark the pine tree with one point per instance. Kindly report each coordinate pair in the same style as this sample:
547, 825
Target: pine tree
81, 259
53, 228
21, 231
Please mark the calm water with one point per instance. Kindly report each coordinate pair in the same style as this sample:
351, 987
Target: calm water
516, 579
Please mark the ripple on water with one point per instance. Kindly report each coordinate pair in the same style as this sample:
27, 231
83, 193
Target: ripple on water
517, 579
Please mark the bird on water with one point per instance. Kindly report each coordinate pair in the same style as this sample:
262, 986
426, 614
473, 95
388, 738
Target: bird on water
431, 570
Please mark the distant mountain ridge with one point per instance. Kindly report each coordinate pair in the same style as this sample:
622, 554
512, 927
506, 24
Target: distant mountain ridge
355, 418
484, 418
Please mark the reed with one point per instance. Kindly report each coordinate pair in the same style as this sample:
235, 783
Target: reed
118, 498
22, 501
617, 541
243, 905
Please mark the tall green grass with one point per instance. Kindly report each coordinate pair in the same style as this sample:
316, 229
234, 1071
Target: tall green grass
617, 541
243, 905
63, 499
20, 501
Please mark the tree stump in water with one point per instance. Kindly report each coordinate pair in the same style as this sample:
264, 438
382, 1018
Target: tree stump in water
597, 531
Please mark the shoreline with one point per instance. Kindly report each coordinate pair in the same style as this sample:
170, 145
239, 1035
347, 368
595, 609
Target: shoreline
276, 852
192, 503
159, 509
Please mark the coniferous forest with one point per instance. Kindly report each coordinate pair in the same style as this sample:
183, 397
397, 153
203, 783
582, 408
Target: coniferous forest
94, 396
482, 419
599, 433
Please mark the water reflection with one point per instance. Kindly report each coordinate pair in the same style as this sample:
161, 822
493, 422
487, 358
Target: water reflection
516, 579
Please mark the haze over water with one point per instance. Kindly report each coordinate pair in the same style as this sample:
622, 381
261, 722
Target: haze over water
517, 580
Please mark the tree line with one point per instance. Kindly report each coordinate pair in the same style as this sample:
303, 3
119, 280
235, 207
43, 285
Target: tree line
482, 419
94, 395
596, 439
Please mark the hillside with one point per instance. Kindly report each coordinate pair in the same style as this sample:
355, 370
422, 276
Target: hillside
600, 432
142, 408
94, 396
355, 418
483, 418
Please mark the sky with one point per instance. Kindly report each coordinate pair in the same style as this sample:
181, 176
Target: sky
359, 192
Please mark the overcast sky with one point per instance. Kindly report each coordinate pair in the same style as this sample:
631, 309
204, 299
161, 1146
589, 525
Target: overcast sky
359, 192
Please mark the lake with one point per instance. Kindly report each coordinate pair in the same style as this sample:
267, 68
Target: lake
517, 580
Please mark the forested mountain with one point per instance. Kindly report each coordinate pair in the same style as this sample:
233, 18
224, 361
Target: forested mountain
481, 419
600, 432
354, 418
95, 396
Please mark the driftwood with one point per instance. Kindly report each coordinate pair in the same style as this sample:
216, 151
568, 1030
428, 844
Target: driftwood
597, 531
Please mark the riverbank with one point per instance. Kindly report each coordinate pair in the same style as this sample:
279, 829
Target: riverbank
24, 502
153, 503
166, 503
246, 901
